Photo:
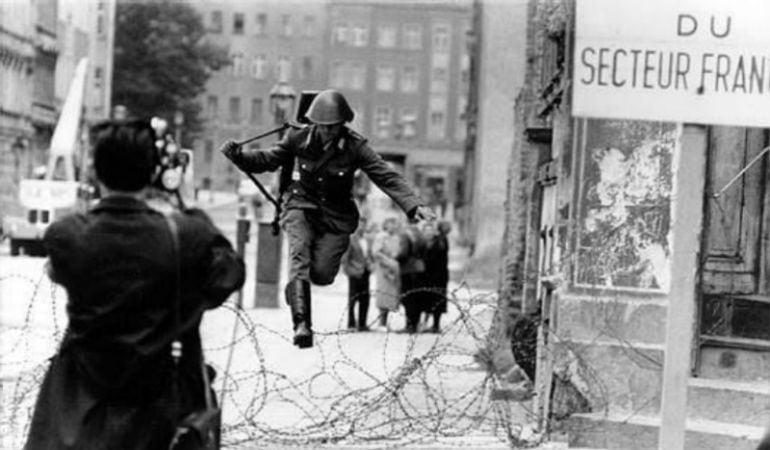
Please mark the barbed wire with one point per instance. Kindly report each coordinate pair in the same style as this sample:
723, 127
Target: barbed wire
394, 391
397, 390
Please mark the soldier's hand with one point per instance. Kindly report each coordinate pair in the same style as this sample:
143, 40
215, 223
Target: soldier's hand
423, 213
232, 150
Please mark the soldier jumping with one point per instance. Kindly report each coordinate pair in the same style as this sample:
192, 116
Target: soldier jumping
319, 213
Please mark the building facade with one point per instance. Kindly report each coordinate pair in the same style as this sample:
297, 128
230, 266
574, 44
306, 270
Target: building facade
41, 42
268, 41
650, 294
404, 67
17, 56
499, 28
28, 50
86, 30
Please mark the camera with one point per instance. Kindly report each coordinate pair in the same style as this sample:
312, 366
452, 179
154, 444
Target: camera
173, 162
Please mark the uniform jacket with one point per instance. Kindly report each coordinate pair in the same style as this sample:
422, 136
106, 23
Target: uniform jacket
110, 384
326, 176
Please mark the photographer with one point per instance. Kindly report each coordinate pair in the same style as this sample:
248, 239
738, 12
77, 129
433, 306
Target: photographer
113, 384
319, 212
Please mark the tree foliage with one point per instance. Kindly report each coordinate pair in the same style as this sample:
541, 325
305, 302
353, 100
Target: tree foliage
162, 61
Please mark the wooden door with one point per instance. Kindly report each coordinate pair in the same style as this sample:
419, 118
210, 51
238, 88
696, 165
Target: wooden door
546, 271
735, 307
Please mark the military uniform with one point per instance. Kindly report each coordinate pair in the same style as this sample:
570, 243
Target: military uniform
319, 213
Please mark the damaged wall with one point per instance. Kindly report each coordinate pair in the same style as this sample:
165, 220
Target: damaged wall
612, 227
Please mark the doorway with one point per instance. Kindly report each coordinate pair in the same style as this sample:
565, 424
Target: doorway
734, 310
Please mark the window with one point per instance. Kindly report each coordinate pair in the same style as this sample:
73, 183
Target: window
437, 117
238, 69
409, 79
212, 107
235, 110
308, 26
337, 74
100, 24
465, 68
436, 125
412, 36
286, 29
408, 123
98, 77
261, 24
340, 33
256, 111
439, 80
208, 152
441, 41
386, 78
258, 67
382, 122
283, 69
215, 24
386, 36
357, 76
359, 36
238, 23
307, 67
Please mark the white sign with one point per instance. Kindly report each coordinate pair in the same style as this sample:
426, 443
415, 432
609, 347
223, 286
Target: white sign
48, 194
697, 61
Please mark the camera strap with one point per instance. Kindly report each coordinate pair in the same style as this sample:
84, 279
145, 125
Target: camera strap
176, 345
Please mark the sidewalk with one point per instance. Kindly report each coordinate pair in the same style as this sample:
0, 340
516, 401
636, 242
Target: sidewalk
212, 199
350, 391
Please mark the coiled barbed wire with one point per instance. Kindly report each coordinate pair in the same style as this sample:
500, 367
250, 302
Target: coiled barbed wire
396, 390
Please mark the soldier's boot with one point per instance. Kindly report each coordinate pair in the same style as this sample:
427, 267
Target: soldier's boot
298, 298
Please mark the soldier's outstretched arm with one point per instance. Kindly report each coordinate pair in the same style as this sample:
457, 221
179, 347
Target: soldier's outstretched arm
392, 183
257, 161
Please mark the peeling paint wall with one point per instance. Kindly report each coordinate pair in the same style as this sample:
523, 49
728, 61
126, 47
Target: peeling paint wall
624, 217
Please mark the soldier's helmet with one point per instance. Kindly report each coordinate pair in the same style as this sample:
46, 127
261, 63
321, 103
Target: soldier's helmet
329, 107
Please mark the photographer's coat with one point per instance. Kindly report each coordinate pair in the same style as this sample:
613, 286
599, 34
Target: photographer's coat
110, 384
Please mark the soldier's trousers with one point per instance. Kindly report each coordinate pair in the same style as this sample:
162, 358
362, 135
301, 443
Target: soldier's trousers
314, 253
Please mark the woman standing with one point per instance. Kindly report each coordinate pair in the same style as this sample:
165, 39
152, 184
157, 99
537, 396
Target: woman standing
385, 249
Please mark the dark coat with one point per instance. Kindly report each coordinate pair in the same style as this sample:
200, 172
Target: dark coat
436, 257
411, 252
436, 275
326, 177
110, 384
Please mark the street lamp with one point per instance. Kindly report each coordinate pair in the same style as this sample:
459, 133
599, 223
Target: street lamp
178, 122
282, 98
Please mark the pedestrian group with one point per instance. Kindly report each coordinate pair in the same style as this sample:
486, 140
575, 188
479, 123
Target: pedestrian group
410, 267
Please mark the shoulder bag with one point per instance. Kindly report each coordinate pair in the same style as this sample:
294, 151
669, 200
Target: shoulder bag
201, 429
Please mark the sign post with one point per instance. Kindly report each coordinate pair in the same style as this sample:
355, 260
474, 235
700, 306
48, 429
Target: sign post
689, 62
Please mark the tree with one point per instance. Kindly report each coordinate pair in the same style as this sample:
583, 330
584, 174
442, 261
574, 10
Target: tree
162, 61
